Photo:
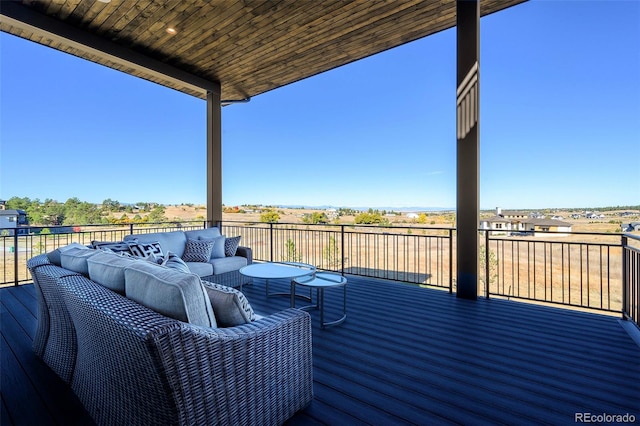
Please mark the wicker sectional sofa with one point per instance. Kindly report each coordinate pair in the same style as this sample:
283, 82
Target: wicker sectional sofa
129, 364
222, 268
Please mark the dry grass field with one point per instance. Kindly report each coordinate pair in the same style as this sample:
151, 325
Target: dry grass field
295, 215
609, 224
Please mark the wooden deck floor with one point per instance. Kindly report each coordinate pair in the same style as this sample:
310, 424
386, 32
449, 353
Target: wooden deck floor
405, 355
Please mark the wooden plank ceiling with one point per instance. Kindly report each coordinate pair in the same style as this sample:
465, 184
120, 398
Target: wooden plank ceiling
249, 46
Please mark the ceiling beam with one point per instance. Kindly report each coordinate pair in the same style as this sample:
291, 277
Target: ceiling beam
19, 16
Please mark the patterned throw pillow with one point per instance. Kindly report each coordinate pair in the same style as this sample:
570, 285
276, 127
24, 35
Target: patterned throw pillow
146, 249
231, 246
197, 251
173, 261
116, 247
230, 306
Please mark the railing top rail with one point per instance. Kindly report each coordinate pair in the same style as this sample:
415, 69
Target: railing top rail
502, 231
337, 225
632, 236
439, 228
102, 225
347, 225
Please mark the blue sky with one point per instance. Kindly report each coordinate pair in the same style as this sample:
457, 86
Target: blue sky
560, 123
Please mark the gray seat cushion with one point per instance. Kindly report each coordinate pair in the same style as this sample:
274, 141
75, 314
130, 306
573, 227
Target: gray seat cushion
200, 268
228, 264
169, 292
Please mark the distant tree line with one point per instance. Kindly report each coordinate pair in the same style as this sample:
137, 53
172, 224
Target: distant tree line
315, 218
371, 217
75, 212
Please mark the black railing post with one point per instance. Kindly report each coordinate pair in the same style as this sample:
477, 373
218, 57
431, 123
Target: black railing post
450, 260
486, 263
270, 241
131, 229
16, 253
625, 278
342, 249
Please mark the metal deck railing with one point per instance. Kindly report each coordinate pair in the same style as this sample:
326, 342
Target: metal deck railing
586, 270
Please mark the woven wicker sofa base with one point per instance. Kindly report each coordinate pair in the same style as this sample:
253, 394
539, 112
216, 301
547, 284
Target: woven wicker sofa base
130, 365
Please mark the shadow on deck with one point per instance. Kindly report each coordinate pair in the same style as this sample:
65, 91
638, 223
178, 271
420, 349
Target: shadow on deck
405, 355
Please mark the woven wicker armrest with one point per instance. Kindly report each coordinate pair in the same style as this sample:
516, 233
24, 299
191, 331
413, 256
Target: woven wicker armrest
54, 340
258, 373
245, 252
38, 260
135, 366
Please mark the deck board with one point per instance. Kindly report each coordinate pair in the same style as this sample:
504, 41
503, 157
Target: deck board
30, 411
408, 355
33, 394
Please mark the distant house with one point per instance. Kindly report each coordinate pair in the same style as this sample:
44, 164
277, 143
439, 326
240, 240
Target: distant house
558, 227
630, 227
505, 222
594, 215
331, 213
412, 215
517, 222
12, 219
499, 223
511, 214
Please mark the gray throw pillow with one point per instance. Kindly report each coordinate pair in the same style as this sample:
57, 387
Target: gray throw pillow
173, 261
198, 251
173, 294
107, 269
76, 260
231, 246
230, 306
54, 256
218, 247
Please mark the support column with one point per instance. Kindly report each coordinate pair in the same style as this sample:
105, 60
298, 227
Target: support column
468, 146
214, 159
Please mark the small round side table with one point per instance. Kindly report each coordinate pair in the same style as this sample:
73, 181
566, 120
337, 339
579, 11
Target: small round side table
320, 281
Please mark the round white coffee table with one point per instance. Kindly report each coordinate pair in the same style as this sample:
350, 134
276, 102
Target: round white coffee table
320, 281
277, 270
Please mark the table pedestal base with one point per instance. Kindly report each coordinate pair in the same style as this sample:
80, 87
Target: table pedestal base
320, 282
